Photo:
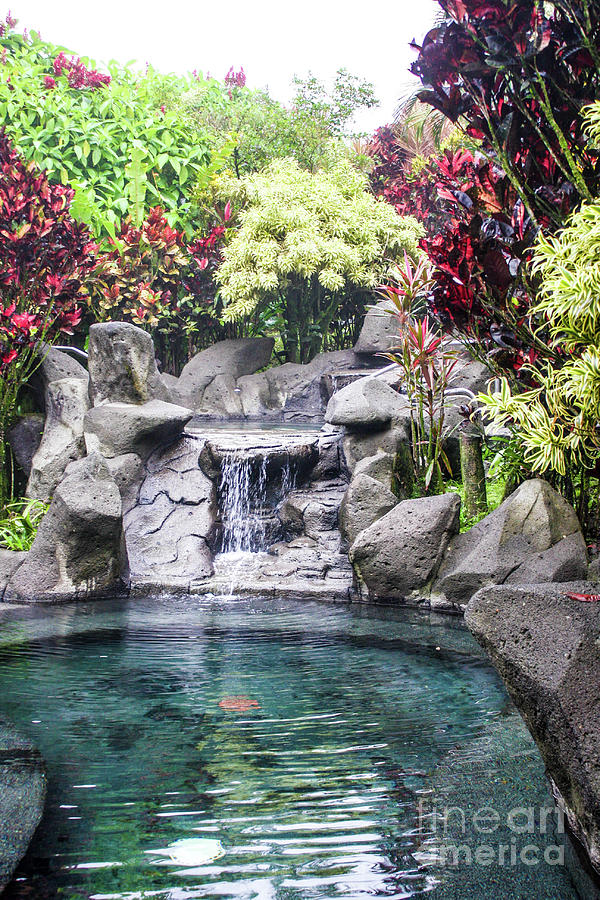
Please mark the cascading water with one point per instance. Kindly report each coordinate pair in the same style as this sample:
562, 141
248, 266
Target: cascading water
242, 491
248, 500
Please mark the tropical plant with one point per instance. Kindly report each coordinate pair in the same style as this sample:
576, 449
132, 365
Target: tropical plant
100, 133
556, 421
20, 522
514, 75
157, 279
426, 367
46, 259
307, 243
262, 129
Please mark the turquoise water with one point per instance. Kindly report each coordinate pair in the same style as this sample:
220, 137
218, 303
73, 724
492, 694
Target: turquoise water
240, 749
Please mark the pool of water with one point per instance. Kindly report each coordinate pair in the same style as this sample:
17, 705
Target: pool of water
245, 749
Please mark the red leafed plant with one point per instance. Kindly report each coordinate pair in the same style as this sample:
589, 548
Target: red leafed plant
157, 279
515, 75
46, 259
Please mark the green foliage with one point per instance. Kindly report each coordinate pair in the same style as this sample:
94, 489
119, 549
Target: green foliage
556, 421
306, 242
19, 525
111, 142
262, 129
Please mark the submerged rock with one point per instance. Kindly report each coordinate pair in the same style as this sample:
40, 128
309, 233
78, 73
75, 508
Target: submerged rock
62, 441
397, 556
121, 365
545, 647
534, 536
78, 551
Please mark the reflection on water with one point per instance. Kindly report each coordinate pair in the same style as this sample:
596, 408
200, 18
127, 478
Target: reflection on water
254, 750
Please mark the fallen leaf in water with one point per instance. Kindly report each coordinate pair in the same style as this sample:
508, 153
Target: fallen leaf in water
238, 704
584, 598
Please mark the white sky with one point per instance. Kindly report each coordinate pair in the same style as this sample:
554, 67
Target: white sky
273, 41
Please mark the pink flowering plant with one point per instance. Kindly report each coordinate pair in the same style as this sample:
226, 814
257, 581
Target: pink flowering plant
426, 365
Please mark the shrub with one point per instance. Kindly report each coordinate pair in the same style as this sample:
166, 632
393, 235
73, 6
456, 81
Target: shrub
307, 243
100, 133
46, 259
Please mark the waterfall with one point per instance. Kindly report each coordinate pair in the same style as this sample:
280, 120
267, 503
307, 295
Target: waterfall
248, 500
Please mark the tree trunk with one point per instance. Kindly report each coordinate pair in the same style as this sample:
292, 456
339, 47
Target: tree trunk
473, 474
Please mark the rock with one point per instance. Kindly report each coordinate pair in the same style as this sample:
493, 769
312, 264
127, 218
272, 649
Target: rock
222, 396
365, 501
78, 551
128, 472
24, 438
170, 530
534, 534
545, 647
114, 429
122, 366
54, 366
472, 375
397, 557
358, 445
380, 467
232, 358
22, 796
379, 332
330, 462
365, 404
292, 391
10, 560
62, 442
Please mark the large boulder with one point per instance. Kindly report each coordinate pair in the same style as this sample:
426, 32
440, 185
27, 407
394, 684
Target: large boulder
545, 647
232, 358
533, 536
121, 428
62, 442
366, 404
365, 501
397, 556
360, 444
54, 365
379, 332
121, 365
78, 551
292, 391
24, 439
